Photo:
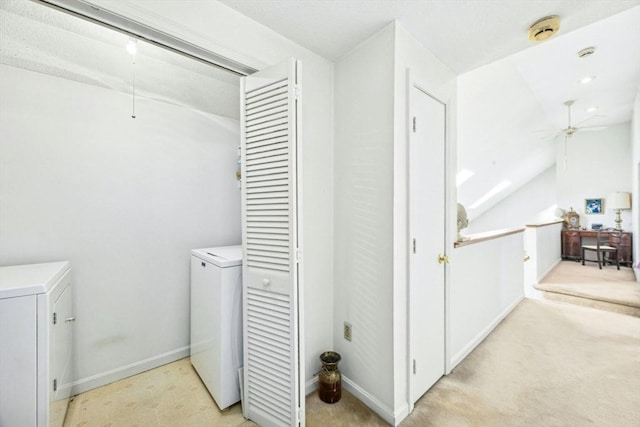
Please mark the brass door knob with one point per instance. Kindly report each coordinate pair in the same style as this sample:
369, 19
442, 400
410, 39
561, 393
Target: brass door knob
443, 259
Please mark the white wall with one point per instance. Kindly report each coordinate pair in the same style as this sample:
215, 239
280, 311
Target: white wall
363, 294
371, 210
220, 29
440, 81
483, 292
124, 200
635, 183
598, 163
542, 245
534, 202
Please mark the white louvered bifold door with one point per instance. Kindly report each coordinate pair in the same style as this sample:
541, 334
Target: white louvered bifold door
272, 343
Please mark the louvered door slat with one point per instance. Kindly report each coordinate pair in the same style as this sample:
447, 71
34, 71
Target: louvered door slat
276, 237
267, 356
272, 364
265, 108
273, 98
279, 383
278, 179
265, 350
274, 123
268, 166
267, 144
284, 157
263, 90
268, 153
275, 111
259, 139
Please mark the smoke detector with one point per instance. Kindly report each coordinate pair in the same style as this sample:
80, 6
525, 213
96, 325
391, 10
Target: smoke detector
587, 51
544, 28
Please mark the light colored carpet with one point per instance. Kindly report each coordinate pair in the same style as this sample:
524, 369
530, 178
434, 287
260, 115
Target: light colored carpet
609, 288
571, 271
546, 364
169, 396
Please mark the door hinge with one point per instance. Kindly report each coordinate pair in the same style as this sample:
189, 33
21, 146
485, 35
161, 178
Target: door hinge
55, 385
55, 318
299, 415
414, 366
298, 255
414, 123
297, 92
414, 246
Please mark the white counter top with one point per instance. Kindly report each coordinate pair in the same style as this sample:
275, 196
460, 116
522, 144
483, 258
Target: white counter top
30, 279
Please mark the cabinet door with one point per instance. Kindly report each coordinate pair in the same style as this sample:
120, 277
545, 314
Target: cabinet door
206, 324
61, 357
571, 244
18, 361
625, 248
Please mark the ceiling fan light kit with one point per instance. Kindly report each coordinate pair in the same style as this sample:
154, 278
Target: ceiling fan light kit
544, 28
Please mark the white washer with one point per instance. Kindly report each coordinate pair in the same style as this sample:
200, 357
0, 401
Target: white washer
216, 320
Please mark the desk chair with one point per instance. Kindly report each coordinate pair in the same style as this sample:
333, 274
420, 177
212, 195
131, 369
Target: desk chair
607, 244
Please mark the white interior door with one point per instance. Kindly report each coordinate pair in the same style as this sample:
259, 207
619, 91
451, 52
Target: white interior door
273, 368
427, 166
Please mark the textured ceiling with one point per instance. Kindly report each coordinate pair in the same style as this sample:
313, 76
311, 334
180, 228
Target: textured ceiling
508, 88
44, 40
464, 34
553, 71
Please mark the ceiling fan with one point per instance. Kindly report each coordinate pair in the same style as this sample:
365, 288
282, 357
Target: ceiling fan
573, 128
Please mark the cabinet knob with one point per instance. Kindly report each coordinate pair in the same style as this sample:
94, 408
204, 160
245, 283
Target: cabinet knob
266, 282
203, 264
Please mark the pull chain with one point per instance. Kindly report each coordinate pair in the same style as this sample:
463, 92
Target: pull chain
133, 93
132, 48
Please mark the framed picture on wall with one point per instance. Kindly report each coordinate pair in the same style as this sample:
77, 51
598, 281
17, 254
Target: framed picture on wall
593, 206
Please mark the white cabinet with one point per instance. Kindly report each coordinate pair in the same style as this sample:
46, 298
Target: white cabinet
36, 321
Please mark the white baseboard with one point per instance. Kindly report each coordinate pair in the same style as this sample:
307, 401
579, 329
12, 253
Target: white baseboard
374, 404
459, 357
104, 378
542, 276
401, 414
311, 385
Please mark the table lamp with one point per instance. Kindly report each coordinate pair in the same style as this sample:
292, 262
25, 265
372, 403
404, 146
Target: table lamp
619, 201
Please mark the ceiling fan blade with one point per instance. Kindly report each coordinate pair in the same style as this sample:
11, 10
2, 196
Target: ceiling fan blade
588, 119
591, 128
552, 135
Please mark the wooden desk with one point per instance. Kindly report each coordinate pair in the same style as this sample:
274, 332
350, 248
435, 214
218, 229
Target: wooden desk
572, 244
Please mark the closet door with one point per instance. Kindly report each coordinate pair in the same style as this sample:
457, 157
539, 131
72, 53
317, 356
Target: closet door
273, 393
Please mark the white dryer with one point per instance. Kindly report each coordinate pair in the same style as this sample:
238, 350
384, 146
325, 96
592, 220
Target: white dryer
216, 320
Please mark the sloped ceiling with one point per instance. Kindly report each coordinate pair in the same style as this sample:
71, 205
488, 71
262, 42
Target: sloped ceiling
44, 40
510, 111
511, 92
509, 88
